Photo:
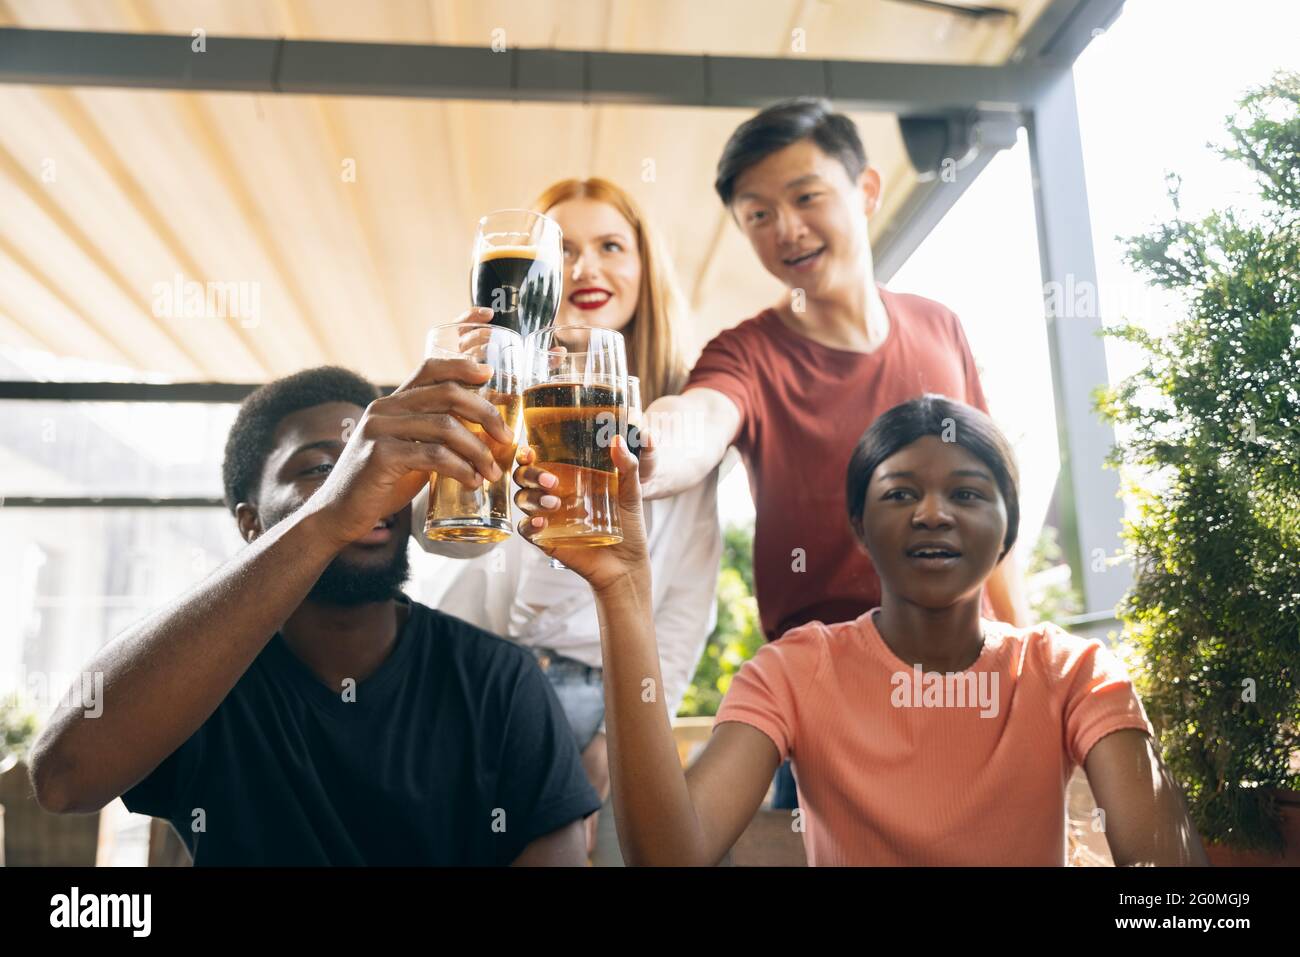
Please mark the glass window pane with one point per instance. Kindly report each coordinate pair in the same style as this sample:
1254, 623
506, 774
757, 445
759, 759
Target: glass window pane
981, 261
152, 449
71, 579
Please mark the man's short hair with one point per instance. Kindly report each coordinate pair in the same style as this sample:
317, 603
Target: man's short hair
775, 128
249, 442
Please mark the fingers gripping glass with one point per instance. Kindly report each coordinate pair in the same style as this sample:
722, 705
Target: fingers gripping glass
631, 430
482, 513
575, 402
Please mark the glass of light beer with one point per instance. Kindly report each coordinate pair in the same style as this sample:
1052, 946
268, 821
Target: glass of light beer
518, 269
481, 513
575, 402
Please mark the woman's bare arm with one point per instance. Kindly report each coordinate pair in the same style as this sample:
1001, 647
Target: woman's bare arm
1146, 820
666, 816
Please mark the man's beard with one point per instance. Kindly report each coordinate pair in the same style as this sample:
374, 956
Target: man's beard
346, 583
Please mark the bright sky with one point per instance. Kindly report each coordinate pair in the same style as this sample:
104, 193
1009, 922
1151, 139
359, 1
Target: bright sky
1152, 92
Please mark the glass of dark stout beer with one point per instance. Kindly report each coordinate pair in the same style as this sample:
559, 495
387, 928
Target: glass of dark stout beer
575, 402
518, 269
480, 513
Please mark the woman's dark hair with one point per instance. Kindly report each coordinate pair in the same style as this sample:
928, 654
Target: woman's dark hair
951, 421
804, 117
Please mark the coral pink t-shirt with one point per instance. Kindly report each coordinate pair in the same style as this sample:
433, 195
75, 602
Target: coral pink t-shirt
886, 777
803, 406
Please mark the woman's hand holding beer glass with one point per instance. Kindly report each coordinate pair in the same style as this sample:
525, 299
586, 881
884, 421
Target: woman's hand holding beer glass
646, 781
627, 561
577, 478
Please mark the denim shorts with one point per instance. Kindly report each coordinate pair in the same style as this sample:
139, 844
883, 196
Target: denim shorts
785, 795
581, 690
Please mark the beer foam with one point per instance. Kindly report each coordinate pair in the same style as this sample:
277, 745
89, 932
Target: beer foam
507, 252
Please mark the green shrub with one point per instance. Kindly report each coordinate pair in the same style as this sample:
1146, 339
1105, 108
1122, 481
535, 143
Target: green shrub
737, 635
17, 729
1213, 422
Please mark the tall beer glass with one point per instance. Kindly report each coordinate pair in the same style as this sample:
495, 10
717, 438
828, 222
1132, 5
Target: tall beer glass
518, 269
575, 402
458, 513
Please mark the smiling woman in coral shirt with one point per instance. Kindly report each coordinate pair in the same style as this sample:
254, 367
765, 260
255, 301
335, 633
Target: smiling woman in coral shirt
920, 732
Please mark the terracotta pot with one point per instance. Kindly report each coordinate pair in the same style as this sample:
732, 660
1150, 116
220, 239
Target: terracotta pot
1288, 803
39, 839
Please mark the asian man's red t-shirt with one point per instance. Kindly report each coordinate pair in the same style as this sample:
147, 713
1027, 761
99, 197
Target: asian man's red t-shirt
803, 407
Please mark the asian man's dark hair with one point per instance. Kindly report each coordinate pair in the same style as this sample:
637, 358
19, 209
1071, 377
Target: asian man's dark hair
950, 421
779, 126
251, 440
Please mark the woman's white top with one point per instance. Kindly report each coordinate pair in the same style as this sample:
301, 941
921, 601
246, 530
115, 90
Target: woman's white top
511, 590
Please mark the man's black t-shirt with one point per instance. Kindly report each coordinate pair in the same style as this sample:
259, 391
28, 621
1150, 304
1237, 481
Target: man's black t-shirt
455, 751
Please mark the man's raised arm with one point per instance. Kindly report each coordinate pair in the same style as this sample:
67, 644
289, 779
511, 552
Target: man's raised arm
166, 675
690, 434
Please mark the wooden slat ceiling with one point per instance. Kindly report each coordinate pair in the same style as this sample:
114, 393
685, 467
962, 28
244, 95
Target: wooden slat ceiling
106, 193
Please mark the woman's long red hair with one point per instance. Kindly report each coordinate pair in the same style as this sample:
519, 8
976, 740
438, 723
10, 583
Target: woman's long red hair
654, 355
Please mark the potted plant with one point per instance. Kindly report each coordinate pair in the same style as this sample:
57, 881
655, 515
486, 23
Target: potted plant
1213, 424
17, 732
36, 838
